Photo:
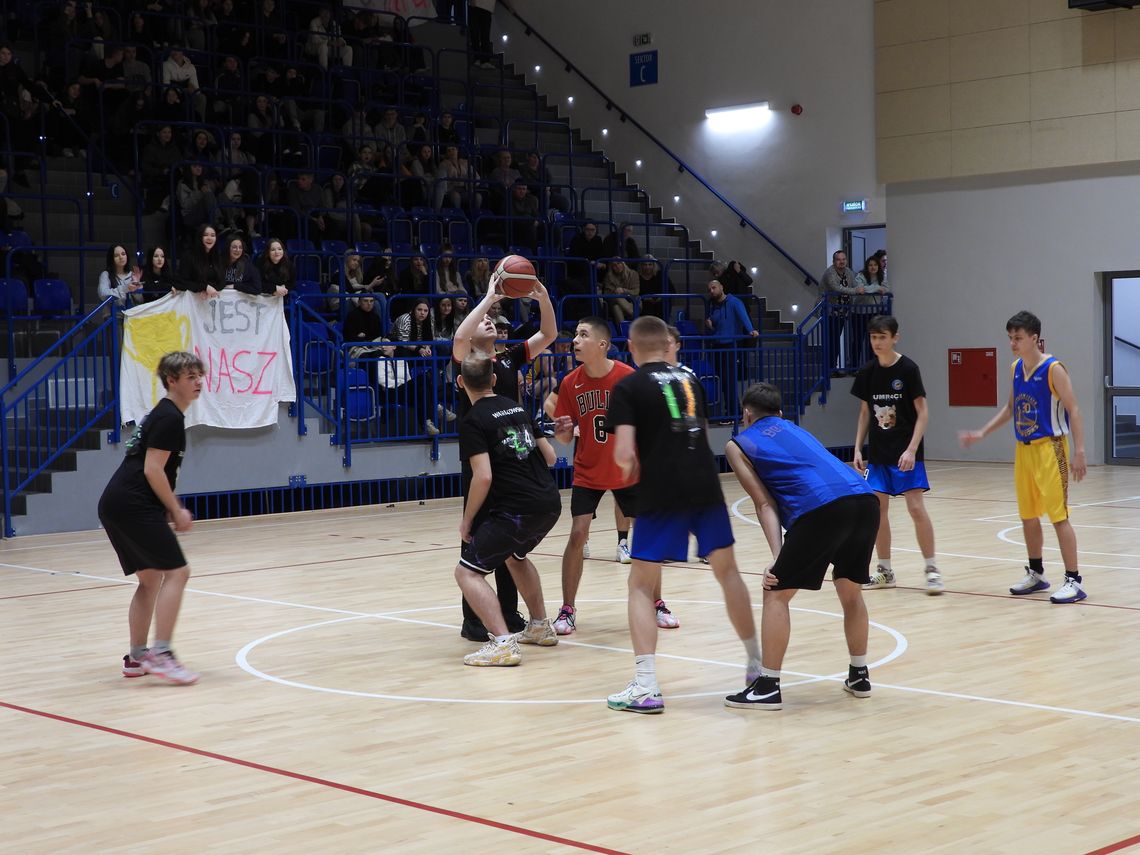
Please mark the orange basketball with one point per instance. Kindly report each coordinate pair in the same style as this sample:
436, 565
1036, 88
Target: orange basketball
516, 276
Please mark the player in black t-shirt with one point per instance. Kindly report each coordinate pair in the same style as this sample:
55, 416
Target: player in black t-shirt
890, 387
657, 414
137, 509
477, 334
510, 506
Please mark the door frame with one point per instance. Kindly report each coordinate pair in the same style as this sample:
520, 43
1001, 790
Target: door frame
1111, 392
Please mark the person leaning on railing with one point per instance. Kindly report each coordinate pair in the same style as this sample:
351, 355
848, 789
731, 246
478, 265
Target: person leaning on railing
118, 280
156, 275
277, 274
200, 268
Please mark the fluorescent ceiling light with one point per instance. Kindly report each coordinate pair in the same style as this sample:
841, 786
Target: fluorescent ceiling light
740, 118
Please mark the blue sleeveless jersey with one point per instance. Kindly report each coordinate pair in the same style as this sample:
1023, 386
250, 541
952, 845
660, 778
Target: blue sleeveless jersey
1037, 411
798, 472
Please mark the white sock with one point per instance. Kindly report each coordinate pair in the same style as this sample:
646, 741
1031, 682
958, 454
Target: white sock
752, 648
502, 638
646, 674
769, 672
931, 564
885, 563
859, 661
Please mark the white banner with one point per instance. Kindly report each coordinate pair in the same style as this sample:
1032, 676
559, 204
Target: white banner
242, 340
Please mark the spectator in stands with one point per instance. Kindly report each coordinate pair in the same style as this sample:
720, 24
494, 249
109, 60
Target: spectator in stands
14, 82
392, 132
873, 280
241, 183
263, 117
57, 39
649, 276
380, 274
141, 33
326, 39
199, 25
362, 30
417, 328
478, 277
524, 216
234, 33
170, 107
414, 279
479, 32
839, 287
445, 320
881, 255
336, 201
157, 159
538, 181
587, 246
118, 280
68, 125
419, 173
201, 268
304, 110
447, 279
732, 276
620, 282
104, 87
270, 36
419, 132
229, 90
372, 183
407, 384
238, 272
136, 73
445, 131
462, 307
357, 128
451, 188
620, 243
196, 196
276, 270
101, 31
156, 278
306, 197
501, 179
180, 72
354, 280
729, 327
203, 149
363, 324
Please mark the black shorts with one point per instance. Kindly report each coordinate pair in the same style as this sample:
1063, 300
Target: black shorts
502, 535
841, 533
143, 540
584, 500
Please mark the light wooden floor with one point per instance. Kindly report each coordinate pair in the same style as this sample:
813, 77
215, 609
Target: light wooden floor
334, 713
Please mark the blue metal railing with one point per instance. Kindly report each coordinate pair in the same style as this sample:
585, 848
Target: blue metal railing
682, 166
52, 404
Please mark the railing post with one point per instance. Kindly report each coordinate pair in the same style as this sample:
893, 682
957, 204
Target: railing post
8, 530
113, 331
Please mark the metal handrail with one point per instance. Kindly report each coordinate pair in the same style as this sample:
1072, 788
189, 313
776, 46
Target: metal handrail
682, 166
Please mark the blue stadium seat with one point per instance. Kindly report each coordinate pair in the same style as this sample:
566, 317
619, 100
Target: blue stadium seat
51, 298
13, 298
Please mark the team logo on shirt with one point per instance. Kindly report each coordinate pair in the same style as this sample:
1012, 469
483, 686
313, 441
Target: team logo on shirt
1026, 417
519, 441
897, 384
681, 401
886, 416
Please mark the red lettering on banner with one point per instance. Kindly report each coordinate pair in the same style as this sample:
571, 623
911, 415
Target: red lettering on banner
229, 369
264, 368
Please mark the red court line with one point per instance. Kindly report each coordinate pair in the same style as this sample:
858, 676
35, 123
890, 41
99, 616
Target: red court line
322, 561
1116, 847
310, 779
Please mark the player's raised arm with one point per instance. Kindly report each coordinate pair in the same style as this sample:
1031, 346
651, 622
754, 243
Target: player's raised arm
467, 330
548, 331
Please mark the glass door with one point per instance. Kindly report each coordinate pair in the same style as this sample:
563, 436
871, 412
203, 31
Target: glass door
1122, 368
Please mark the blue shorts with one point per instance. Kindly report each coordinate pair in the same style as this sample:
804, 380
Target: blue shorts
894, 482
664, 535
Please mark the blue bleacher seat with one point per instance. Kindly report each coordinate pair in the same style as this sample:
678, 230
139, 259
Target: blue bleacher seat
368, 246
492, 251
334, 247
431, 250
459, 233
257, 245
431, 231
13, 298
51, 298
400, 230
297, 245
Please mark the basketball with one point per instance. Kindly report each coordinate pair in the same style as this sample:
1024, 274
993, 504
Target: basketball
516, 276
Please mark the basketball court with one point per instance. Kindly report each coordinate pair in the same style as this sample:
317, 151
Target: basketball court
334, 712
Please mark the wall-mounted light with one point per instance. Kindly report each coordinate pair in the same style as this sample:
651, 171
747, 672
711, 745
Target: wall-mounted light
676, 199
605, 132
537, 69
754, 270
713, 233
795, 307
744, 117
505, 37
637, 163
570, 99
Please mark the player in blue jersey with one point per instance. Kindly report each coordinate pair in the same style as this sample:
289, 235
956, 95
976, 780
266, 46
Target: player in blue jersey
831, 517
1044, 411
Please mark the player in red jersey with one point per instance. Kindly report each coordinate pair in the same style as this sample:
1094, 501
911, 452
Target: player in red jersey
579, 407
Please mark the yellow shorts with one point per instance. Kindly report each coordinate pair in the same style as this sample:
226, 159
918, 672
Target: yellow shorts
1041, 476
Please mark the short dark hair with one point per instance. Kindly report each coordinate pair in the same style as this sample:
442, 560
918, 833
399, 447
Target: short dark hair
883, 324
838, 252
597, 325
1024, 320
172, 365
763, 399
477, 372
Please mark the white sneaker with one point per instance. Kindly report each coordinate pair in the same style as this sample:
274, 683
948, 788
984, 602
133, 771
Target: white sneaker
665, 618
881, 578
495, 653
636, 698
586, 549
1031, 583
539, 632
444, 413
1070, 592
430, 429
167, 667
623, 556
933, 581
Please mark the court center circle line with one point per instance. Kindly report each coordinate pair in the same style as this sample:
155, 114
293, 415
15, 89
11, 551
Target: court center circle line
242, 660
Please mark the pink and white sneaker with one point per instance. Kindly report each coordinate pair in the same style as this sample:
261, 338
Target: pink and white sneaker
167, 667
564, 623
131, 668
665, 618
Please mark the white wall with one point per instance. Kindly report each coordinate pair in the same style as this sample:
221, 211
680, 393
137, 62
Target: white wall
790, 177
968, 253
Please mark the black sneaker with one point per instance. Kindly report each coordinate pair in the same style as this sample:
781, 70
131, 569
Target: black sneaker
473, 630
763, 694
515, 622
858, 682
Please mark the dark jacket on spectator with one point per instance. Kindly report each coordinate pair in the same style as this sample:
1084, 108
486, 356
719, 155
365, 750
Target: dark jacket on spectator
273, 275
735, 283
360, 325
197, 270
242, 275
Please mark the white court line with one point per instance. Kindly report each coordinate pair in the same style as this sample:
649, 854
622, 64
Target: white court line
1015, 515
1003, 535
735, 506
